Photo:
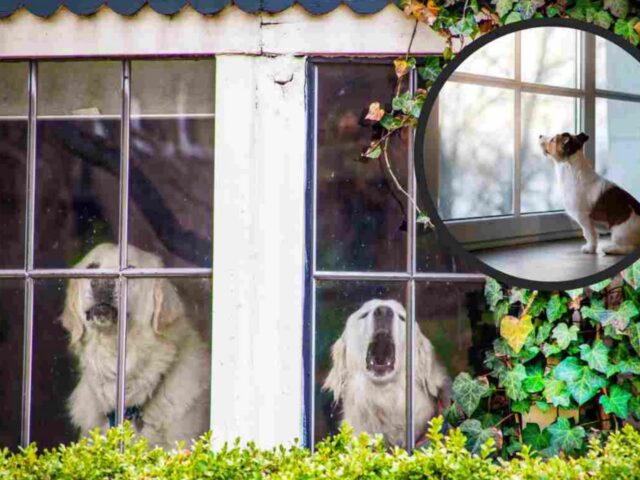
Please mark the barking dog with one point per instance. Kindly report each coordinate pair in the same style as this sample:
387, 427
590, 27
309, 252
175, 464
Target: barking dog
368, 373
167, 364
591, 200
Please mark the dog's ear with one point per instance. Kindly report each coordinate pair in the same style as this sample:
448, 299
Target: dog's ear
71, 320
167, 306
582, 138
337, 377
430, 374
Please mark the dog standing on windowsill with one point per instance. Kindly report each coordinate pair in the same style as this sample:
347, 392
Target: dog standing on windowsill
591, 200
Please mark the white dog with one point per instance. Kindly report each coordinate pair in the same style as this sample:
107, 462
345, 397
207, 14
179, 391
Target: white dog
591, 200
368, 373
167, 364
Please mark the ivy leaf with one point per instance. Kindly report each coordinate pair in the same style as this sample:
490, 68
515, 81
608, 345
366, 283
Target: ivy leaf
556, 307
581, 381
630, 366
535, 380
597, 357
515, 331
556, 393
535, 438
632, 275
476, 434
376, 112
467, 392
513, 17
616, 402
374, 153
593, 311
431, 69
634, 406
634, 336
603, 19
528, 353
403, 66
543, 406
549, 349
512, 380
503, 6
619, 8
399, 102
565, 438
598, 287
544, 331
521, 406
492, 293
564, 335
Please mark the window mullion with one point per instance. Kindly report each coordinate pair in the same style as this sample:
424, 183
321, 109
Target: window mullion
517, 127
588, 123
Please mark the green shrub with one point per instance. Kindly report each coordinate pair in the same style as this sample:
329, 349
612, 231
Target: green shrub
343, 456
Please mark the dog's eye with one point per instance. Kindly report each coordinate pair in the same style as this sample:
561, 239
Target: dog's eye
363, 316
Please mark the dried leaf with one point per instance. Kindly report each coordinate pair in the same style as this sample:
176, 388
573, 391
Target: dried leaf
376, 112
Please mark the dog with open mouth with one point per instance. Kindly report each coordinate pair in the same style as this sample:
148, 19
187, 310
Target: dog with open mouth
594, 202
368, 376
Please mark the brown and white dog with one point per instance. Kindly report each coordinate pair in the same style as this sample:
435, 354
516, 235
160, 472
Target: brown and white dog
592, 200
368, 373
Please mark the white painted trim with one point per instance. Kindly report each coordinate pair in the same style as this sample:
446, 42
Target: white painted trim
232, 31
258, 266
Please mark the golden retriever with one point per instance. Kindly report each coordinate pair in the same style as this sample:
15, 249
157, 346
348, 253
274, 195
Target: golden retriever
167, 363
368, 373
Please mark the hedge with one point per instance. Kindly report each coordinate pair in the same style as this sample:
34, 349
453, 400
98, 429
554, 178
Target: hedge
120, 455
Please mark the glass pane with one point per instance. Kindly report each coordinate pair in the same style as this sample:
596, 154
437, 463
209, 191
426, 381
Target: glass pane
367, 346
550, 56
79, 88
168, 360
14, 109
476, 151
360, 216
171, 163
616, 70
543, 115
496, 59
11, 353
172, 87
453, 334
617, 143
73, 385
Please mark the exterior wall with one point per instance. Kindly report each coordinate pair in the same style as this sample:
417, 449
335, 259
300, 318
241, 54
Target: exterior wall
259, 194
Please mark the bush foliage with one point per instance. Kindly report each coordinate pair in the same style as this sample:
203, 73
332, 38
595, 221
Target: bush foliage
343, 456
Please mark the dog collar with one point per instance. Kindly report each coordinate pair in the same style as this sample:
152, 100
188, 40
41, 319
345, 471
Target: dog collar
130, 413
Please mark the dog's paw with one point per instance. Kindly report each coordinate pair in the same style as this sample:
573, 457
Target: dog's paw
588, 248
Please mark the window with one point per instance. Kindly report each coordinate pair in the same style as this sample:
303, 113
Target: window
363, 244
495, 187
95, 152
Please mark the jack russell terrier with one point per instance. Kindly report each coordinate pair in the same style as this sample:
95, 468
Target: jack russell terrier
591, 200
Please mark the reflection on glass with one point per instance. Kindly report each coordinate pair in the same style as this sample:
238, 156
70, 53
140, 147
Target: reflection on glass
618, 143
496, 59
77, 185
476, 151
171, 157
11, 341
550, 56
58, 364
360, 216
168, 361
360, 358
543, 115
616, 70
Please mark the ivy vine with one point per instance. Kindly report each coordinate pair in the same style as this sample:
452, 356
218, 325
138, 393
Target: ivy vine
565, 367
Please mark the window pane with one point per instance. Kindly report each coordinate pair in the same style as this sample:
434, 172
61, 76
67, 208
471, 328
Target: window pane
550, 56
14, 109
78, 160
615, 69
56, 389
496, 59
618, 142
11, 353
168, 360
171, 161
360, 215
361, 357
476, 151
543, 115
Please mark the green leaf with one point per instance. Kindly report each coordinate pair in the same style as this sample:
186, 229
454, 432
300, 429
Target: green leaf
603, 19
581, 381
556, 393
593, 311
512, 380
565, 438
521, 406
630, 365
634, 336
476, 434
535, 380
556, 307
634, 407
535, 438
492, 293
549, 349
467, 392
616, 402
431, 69
399, 102
597, 357
544, 331
564, 335
575, 293
513, 17
542, 406
618, 8
375, 153
503, 6
598, 287
632, 275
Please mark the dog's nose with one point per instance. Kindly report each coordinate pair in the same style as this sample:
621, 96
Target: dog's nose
382, 318
540, 137
103, 289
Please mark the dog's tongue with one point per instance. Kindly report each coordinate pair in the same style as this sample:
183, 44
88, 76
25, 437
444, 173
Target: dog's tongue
381, 353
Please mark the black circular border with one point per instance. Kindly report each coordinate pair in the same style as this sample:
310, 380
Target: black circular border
445, 237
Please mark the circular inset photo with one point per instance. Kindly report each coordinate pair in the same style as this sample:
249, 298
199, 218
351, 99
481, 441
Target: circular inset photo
528, 154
